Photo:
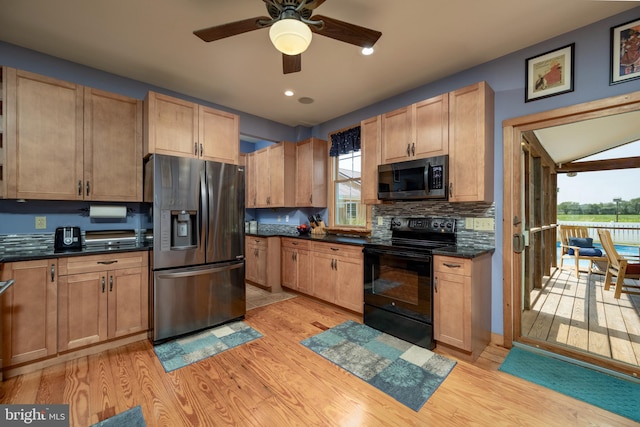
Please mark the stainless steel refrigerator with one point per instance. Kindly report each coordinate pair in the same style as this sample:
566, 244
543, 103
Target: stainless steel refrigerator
198, 244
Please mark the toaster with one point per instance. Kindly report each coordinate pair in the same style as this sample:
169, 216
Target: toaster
67, 239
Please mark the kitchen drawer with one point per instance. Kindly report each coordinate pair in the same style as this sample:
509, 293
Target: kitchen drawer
349, 251
256, 241
452, 265
93, 263
296, 244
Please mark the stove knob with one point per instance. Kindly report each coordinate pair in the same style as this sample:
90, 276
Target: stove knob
434, 225
449, 225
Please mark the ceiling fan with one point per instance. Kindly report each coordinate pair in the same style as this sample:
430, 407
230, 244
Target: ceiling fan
291, 23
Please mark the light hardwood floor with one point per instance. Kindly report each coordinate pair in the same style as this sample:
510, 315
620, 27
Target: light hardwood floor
580, 314
275, 381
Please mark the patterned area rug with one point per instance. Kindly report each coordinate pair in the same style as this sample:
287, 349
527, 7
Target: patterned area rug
408, 373
597, 388
184, 351
129, 418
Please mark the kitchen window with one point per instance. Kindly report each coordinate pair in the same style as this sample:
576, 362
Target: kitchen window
347, 208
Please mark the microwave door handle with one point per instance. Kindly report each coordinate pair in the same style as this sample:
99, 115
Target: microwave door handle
429, 170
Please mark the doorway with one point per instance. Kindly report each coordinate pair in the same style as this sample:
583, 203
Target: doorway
530, 215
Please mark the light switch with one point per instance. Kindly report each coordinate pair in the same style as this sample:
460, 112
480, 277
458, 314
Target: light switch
41, 222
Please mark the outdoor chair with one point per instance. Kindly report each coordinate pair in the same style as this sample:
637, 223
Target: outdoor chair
578, 246
619, 267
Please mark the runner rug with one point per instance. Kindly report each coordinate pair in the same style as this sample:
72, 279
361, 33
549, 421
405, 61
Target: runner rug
406, 372
605, 391
184, 351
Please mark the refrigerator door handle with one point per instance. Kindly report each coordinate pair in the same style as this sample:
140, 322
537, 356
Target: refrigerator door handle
189, 273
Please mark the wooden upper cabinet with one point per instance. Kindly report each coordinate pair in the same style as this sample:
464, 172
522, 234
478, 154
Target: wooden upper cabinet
312, 157
416, 131
250, 180
471, 162
275, 169
70, 142
397, 135
171, 126
370, 135
218, 135
113, 147
44, 137
432, 126
181, 128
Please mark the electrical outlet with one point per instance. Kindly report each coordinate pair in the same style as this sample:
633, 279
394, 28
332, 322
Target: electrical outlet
286, 218
484, 224
41, 222
380, 221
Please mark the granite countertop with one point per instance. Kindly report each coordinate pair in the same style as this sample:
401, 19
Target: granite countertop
28, 254
466, 251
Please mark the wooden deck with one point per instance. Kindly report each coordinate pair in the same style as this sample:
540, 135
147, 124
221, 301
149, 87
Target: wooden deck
580, 314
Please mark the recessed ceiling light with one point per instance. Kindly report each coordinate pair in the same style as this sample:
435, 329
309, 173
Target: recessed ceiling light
288, 93
366, 51
305, 100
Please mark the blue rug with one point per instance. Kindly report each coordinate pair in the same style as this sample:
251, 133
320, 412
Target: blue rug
193, 348
406, 372
130, 418
597, 388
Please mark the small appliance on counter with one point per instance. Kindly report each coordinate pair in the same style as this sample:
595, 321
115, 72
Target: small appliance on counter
110, 239
67, 239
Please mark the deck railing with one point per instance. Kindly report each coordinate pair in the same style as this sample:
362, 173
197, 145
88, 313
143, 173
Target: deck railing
622, 233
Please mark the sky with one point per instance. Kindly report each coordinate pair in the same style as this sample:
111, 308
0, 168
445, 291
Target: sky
604, 186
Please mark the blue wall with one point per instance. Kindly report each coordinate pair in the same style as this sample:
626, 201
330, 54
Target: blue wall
506, 76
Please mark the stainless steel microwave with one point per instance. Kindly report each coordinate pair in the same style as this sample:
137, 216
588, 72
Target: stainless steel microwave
414, 179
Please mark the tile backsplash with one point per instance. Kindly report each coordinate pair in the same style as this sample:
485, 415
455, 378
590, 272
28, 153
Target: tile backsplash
440, 209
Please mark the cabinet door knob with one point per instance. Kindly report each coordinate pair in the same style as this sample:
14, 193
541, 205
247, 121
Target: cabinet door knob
79, 187
110, 283
408, 150
103, 283
195, 148
413, 149
201, 150
53, 272
451, 189
88, 187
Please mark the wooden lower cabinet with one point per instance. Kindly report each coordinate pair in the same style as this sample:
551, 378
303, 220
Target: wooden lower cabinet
29, 311
337, 272
462, 303
262, 262
296, 267
101, 297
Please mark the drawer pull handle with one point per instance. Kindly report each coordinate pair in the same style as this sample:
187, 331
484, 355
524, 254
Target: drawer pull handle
108, 262
446, 264
335, 249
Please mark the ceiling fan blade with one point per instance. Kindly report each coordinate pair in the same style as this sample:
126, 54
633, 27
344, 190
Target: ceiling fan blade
314, 3
231, 29
346, 32
291, 63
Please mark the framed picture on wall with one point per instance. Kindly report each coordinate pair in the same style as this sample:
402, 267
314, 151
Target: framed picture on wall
550, 73
625, 52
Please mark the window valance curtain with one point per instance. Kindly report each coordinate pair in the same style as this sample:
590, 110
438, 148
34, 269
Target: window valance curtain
345, 142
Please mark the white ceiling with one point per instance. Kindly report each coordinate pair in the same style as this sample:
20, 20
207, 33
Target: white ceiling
422, 41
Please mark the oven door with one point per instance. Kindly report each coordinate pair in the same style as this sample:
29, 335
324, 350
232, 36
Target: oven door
399, 281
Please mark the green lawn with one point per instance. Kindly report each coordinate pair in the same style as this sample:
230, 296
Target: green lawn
599, 218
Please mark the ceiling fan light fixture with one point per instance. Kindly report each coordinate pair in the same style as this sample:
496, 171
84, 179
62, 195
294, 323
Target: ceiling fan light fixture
366, 51
290, 36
